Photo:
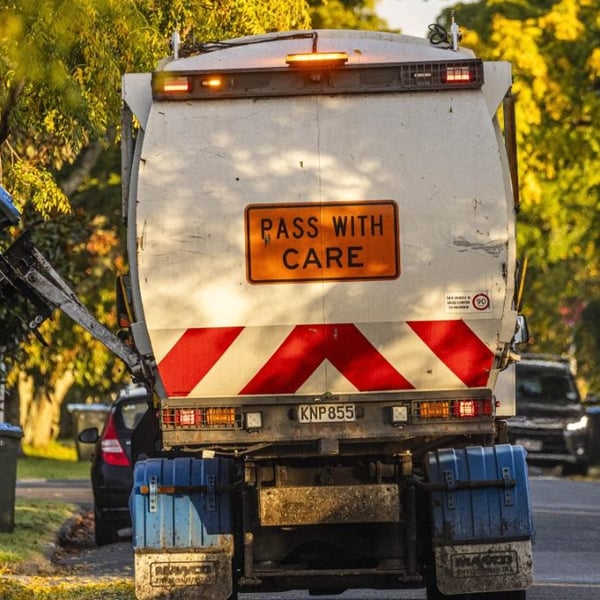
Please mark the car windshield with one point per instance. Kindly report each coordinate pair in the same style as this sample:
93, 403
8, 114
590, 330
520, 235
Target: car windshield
132, 412
545, 385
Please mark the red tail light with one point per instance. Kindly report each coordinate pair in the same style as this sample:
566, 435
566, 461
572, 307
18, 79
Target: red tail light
472, 407
112, 451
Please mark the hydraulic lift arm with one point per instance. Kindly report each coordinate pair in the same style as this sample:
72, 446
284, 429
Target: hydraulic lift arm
25, 271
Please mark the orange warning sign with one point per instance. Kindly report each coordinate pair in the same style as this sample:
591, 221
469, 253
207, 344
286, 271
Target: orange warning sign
322, 242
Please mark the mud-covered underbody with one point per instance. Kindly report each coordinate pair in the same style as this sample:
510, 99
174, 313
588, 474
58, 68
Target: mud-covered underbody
356, 519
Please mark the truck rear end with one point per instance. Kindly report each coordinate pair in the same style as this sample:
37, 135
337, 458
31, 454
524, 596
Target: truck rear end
322, 253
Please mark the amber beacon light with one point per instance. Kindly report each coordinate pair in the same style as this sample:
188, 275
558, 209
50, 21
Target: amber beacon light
316, 59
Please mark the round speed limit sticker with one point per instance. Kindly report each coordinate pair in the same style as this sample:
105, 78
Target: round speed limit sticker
481, 301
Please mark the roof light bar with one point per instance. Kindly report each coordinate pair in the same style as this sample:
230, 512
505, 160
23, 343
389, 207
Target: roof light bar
318, 73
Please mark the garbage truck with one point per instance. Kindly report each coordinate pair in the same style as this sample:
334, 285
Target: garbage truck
323, 287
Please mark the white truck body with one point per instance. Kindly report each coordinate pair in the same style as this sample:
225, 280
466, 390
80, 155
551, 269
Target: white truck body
432, 156
323, 270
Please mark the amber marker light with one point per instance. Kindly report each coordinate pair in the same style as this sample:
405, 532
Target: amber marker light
220, 416
434, 409
317, 59
213, 83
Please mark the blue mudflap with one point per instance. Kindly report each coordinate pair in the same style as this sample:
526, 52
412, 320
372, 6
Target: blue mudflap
480, 494
181, 503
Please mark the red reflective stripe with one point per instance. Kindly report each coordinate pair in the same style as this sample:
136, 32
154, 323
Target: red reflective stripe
307, 346
457, 346
193, 356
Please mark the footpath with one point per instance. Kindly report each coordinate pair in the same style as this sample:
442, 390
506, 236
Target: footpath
75, 556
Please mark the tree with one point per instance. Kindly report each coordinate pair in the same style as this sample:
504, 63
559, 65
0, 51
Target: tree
553, 47
345, 14
61, 63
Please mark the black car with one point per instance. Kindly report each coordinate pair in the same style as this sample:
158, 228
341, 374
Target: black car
550, 422
112, 472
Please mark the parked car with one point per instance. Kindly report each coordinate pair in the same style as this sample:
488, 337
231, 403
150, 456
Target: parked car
550, 423
112, 472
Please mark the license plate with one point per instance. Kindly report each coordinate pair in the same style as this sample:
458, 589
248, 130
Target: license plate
326, 413
531, 445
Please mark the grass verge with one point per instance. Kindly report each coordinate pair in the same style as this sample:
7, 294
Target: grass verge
28, 547
56, 461
31, 467
26, 571
41, 589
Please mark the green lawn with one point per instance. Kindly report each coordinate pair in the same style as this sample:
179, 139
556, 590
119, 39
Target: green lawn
57, 461
36, 525
48, 468
26, 572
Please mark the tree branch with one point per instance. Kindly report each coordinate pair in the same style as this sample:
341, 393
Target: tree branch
11, 102
88, 161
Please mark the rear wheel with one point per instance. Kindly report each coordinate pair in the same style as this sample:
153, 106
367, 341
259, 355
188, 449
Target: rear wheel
575, 469
105, 529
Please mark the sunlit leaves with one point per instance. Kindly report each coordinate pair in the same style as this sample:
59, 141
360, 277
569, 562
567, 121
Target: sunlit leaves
563, 21
553, 47
36, 185
61, 65
345, 14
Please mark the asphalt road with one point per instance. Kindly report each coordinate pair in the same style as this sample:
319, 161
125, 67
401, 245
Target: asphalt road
76, 491
566, 551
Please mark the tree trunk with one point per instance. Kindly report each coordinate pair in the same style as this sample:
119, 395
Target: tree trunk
40, 409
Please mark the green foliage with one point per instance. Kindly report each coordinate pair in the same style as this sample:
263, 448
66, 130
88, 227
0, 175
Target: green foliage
553, 47
61, 65
48, 468
346, 14
57, 63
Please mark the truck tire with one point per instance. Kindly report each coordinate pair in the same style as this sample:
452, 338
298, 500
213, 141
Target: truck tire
580, 468
105, 530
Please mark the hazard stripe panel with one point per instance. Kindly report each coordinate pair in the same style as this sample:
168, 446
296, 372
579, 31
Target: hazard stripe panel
308, 346
455, 344
293, 360
193, 356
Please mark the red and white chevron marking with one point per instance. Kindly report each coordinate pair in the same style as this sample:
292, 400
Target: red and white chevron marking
341, 358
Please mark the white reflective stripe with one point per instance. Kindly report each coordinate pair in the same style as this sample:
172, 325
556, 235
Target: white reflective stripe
163, 340
326, 377
241, 361
410, 356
